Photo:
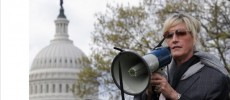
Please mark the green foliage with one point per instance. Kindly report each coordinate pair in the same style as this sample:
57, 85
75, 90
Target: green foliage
87, 82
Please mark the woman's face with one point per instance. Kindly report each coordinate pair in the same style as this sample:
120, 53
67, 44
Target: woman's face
180, 41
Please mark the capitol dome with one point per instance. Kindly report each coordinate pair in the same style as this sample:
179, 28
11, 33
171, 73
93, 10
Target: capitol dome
54, 70
62, 54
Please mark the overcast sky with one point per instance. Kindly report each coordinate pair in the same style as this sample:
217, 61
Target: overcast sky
80, 13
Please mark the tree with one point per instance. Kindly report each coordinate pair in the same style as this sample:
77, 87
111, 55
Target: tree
123, 27
139, 27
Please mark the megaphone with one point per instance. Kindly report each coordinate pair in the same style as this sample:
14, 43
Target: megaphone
136, 70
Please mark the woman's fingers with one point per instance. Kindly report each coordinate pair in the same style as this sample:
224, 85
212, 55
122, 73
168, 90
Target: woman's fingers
157, 79
156, 76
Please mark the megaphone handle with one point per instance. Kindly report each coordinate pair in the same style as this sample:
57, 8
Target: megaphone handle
159, 45
118, 49
121, 82
154, 94
150, 91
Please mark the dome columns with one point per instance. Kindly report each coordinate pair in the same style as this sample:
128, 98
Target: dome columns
61, 28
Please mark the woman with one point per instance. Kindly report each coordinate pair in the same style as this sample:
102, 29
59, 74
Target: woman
192, 75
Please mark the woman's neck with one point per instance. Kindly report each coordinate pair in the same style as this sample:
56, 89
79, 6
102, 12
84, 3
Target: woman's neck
183, 59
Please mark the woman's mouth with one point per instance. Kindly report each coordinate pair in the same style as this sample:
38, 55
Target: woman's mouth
175, 47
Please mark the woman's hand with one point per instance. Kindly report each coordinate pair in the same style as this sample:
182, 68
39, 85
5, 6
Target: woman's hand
162, 86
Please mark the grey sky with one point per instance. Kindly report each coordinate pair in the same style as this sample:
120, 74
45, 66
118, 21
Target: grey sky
80, 13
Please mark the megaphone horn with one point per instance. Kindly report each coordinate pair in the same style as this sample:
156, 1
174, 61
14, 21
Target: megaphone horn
136, 70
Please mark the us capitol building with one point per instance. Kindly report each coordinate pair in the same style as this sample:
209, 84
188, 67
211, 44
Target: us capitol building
54, 70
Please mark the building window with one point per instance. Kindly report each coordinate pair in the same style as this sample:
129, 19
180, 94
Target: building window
60, 88
41, 89
67, 88
47, 88
73, 88
35, 90
65, 60
53, 88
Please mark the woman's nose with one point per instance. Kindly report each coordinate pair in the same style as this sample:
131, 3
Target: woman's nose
175, 38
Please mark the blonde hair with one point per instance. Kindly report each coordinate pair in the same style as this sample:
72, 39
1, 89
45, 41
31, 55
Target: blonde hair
191, 23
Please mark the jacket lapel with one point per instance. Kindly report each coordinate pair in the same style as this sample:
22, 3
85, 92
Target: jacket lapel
191, 71
187, 84
195, 69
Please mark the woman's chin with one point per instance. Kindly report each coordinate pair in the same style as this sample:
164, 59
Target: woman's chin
176, 55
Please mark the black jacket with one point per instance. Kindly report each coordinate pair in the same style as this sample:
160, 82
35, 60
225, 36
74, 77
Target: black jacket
205, 80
